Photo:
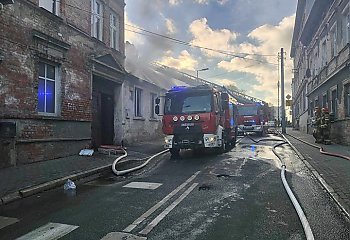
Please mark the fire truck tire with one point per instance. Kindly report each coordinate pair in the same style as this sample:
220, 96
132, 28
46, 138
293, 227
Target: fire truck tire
175, 152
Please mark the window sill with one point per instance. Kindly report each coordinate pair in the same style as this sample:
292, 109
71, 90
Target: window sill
139, 118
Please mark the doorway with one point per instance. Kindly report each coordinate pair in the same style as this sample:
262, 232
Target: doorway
107, 119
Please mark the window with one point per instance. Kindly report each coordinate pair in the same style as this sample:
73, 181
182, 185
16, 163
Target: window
47, 88
311, 109
334, 108
345, 21
114, 31
324, 101
96, 19
324, 53
153, 99
333, 33
137, 102
52, 6
347, 99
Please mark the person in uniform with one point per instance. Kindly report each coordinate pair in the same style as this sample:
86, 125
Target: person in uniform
325, 126
316, 123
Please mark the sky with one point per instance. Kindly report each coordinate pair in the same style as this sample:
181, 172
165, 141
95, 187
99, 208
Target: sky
250, 32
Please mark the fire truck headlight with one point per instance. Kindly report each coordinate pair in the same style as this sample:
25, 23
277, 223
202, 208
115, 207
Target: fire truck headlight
212, 139
196, 117
182, 118
189, 118
175, 119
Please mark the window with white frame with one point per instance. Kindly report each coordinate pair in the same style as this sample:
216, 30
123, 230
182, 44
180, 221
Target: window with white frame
333, 34
114, 30
153, 104
96, 19
52, 6
47, 88
137, 102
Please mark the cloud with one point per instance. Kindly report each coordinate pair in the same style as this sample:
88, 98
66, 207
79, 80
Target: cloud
175, 2
271, 39
204, 36
170, 26
183, 62
202, 1
222, 2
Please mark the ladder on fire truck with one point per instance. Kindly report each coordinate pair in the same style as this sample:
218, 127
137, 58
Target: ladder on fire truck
192, 80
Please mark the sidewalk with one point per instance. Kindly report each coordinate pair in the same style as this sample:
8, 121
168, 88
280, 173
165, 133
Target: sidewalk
334, 171
21, 177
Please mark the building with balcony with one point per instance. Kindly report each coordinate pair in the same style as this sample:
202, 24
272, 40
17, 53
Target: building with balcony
320, 51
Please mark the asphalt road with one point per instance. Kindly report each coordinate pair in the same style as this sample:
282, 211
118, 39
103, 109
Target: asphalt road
235, 195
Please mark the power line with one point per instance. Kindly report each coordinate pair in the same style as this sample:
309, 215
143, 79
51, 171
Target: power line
191, 45
188, 43
224, 52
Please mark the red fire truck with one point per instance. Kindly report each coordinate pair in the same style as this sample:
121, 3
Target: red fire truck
198, 117
251, 118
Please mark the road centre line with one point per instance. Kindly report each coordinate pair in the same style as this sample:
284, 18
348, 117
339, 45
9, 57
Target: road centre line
50, 231
159, 204
163, 214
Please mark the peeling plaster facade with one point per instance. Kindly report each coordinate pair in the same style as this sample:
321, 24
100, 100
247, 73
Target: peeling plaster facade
321, 54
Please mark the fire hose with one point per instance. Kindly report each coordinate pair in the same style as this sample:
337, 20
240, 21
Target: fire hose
306, 226
322, 151
117, 160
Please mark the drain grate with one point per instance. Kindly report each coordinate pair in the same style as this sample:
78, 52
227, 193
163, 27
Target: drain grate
223, 175
204, 187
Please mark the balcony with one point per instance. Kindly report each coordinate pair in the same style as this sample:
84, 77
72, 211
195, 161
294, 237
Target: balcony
327, 72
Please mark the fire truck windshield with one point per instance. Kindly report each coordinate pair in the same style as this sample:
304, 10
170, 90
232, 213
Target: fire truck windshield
247, 110
177, 103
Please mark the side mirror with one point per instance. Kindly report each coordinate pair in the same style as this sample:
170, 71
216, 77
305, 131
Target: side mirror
224, 101
157, 100
156, 109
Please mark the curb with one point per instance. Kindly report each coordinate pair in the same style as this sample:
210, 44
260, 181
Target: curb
50, 185
321, 180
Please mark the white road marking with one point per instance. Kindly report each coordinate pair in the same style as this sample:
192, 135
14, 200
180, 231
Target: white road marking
162, 215
7, 221
122, 236
143, 185
159, 204
50, 231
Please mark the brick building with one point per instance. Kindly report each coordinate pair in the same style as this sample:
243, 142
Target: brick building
321, 53
61, 77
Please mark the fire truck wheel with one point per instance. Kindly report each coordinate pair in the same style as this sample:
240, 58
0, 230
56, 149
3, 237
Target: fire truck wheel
175, 152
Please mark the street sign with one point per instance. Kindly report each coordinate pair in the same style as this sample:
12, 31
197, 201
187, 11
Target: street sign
288, 96
289, 103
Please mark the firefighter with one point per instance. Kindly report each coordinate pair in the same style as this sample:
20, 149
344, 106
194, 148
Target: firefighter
326, 126
316, 123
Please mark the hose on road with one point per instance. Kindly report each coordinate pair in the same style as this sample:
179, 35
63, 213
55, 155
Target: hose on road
117, 160
322, 151
306, 226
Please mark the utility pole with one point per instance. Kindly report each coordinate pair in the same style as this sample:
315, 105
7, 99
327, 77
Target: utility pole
282, 94
278, 92
278, 103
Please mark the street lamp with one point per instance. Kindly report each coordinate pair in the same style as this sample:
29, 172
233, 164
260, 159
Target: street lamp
201, 70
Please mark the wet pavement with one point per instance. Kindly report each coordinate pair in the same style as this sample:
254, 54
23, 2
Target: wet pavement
335, 171
235, 195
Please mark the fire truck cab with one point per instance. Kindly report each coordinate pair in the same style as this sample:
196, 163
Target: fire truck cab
198, 117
